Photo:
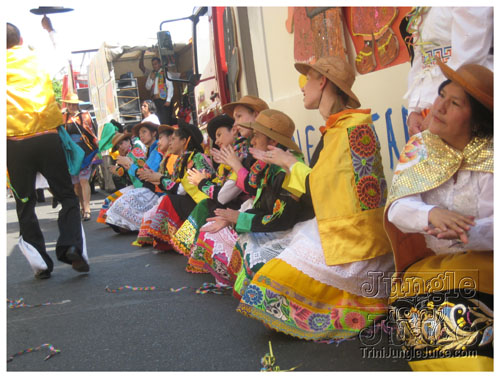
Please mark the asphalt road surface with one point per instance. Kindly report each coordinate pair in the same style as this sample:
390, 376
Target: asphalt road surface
158, 330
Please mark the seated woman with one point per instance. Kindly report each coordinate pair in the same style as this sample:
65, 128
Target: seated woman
220, 187
122, 145
319, 286
138, 155
125, 214
439, 217
262, 225
148, 110
181, 196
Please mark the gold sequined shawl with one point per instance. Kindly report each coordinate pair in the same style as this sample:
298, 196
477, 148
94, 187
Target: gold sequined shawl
425, 163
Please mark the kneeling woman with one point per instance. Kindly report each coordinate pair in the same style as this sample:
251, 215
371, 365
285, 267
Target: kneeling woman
319, 287
125, 214
181, 196
439, 217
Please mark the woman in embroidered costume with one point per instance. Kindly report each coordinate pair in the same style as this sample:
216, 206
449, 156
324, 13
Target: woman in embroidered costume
439, 217
458, 35
138, 155
263, 223
319, 286
181, 196
220, 188
79, 126
125, 214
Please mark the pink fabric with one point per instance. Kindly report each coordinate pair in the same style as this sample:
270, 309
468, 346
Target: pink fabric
242, 176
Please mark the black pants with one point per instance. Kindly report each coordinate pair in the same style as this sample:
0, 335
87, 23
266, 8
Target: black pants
44, 154
163, 112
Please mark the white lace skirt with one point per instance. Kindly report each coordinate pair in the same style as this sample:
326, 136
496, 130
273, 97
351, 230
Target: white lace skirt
128, 210
368, 278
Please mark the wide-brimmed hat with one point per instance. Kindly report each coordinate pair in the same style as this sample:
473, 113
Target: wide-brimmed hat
72, 98
475, 79
251, 102
338, 71
117, 138
222, 120
150, 125
276, 125
163, 128
193, 131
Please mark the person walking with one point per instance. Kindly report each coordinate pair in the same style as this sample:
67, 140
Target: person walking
33, 145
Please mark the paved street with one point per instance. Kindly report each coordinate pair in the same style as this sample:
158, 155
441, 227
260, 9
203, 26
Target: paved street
144, 331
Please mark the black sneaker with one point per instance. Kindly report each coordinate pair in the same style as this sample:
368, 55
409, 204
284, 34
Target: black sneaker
42, 274
78, 263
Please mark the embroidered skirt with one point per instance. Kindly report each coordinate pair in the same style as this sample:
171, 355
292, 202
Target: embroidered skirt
171, 214
295, 293
442, 309
143, 238
212, 252
127, 211
187, 234
108, 201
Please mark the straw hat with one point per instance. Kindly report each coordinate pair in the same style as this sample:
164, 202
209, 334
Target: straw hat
251, 102
150, 125
275, 125
163, 128
72, 98
338, 71
117, 138
218, 121
476, 80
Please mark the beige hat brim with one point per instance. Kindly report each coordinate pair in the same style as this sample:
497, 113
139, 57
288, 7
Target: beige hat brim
281, 139
120, 138
72, 101
353, 101
453, 75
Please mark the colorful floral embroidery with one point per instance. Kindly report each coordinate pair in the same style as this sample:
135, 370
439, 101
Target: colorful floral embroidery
256, 168
278, 209
442, 323
316, 322
411, 150
253, 296
368, 189
369, 177
362, 165
362, 140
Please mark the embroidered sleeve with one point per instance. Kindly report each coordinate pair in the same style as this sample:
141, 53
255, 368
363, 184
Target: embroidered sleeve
275, 210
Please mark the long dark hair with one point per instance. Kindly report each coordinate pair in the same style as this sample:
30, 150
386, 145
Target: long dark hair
481, 116
183, 133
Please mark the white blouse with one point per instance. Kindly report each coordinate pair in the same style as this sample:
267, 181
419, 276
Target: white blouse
462, 34
471, 194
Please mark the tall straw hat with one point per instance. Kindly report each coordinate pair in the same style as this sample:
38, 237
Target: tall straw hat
338, 71
475, 79
251, 102
72, 98
276, 125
